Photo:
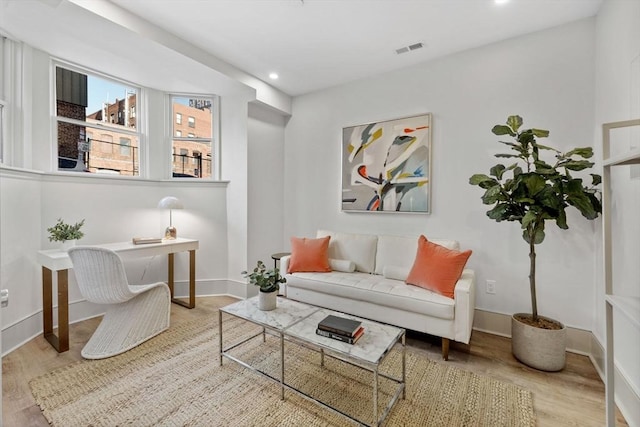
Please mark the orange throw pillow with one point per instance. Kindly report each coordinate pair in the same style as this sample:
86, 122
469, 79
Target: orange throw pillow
437, 268
309, 255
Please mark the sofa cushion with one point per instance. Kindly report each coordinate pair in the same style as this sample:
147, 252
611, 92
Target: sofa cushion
400, 251
377, 290
437, 268
395, 272
309, 254
342, 265
359, 248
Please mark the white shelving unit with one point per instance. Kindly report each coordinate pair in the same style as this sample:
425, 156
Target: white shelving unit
625, 305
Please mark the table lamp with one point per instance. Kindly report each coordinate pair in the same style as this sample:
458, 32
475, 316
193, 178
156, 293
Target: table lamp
170, 203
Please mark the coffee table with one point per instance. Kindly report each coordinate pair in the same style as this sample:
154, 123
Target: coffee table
296, 322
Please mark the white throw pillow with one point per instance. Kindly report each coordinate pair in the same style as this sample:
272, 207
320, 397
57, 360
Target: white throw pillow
359, 248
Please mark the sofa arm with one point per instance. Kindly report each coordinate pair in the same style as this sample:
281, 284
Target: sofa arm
283, 267
465, 298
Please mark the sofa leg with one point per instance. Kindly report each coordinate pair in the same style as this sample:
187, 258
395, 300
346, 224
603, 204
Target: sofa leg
445, 348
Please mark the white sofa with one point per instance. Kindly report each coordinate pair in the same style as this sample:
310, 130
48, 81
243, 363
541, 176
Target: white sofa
376, 289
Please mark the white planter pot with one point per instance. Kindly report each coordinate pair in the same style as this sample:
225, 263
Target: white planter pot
267, 300
539, 348
67, 244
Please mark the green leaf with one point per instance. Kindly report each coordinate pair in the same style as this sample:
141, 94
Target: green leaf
534, 183
576, 165
595, 179
546, 147
584, 152
493, 195
497, 171
483, 181
529, 218
561, 219
511, 144
526, 137
538, 235
502, 130
544, 168
514, 122
499, 212
517, 171
506, 156
540, 133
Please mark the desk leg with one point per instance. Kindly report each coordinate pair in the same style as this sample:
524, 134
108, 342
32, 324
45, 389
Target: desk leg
192, 280
60, 342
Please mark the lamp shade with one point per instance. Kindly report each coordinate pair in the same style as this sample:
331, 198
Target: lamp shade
170, 202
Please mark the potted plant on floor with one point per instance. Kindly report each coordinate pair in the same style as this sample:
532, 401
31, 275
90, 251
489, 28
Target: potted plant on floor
65, 233
531, 192
269, 282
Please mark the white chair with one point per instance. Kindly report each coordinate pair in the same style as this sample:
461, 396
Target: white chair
134, 313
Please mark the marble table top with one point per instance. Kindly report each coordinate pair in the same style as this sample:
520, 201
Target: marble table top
299, 321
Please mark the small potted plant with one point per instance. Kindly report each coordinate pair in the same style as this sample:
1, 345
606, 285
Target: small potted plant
269, 282
67, 234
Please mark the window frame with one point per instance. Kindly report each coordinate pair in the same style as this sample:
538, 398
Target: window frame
139, 132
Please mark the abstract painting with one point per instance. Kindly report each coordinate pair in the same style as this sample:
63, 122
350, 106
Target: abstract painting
386, 166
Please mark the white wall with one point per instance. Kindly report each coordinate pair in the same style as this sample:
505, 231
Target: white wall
266, 184
546, 77
618, 98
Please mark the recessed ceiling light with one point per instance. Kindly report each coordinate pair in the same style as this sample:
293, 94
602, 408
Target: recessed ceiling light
273, 76
501, 1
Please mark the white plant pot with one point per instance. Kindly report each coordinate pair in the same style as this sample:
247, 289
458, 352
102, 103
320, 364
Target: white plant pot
539, 348
267, 300
67, 244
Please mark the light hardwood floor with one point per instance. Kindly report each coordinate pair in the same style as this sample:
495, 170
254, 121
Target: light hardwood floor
572, 397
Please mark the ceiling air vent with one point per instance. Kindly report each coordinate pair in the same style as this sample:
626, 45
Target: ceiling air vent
409, 48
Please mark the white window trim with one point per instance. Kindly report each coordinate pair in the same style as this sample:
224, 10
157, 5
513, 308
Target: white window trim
140, 132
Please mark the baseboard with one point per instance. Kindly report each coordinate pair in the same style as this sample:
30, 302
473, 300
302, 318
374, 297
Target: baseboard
578, 340
627, 398
24, 330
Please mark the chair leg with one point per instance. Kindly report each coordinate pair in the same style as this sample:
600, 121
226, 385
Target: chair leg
445, 348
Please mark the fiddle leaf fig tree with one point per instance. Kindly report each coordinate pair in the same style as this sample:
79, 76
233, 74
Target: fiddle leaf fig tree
533, 191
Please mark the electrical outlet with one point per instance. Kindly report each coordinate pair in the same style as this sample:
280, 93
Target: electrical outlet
4, 297
491, 286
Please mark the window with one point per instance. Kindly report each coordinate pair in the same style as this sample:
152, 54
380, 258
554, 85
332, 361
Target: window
88, 104
178, 118
199, 139
125, 147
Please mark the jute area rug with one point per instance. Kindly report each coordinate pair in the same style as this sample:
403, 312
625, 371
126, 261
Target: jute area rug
175, 380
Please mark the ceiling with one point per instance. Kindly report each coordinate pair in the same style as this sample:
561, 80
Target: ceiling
315, 44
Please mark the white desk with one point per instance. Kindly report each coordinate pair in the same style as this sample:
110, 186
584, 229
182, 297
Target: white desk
59, 261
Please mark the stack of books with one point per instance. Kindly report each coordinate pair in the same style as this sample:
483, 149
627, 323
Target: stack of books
341, 329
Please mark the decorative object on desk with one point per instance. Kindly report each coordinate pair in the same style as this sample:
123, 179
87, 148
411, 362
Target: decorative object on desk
540, 192
386, 166
66, 233
268, 280
146, 240
170, 203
